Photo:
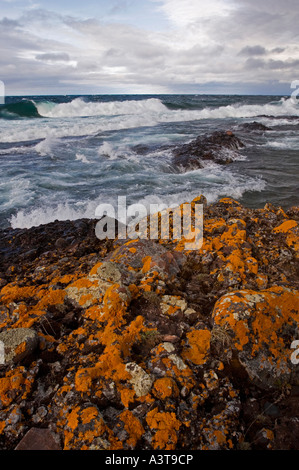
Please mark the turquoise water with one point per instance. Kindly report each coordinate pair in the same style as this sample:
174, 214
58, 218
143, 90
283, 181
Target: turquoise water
61, 156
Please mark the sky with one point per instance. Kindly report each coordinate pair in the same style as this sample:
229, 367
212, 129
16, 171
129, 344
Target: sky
149, 46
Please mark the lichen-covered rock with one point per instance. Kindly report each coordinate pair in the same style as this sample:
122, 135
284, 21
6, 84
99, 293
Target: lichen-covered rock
262, 326
141, 381
219, 431
18, 343
148, 344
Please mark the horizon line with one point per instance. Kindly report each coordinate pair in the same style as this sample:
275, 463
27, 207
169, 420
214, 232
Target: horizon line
148, 94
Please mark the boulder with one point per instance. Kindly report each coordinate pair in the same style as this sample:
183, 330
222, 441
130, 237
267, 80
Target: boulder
262, 327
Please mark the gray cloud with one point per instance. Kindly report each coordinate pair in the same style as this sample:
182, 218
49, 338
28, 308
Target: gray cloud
278, 50
119, 6
53, 57
253, 50
45, 50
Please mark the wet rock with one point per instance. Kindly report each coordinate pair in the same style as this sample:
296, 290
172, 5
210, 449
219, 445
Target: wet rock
214, 148
254, 126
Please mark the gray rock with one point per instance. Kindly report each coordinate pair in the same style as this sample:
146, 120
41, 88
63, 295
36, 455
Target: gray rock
18, 344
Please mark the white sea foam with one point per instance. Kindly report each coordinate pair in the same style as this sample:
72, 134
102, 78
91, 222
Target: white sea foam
82, 158
213, 182
15, 150
284, 144
19, 190
108, 150
115, 152
46, 214
46, 146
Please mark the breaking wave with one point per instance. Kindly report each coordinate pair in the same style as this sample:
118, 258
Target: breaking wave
79, 107
22, 109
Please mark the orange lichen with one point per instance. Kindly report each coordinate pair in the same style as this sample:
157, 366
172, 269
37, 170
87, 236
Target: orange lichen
198, 342
111, 339
220, 436
165, 388
285, 226
127, 396
84, 283
94, 312
252, 265
20, 349
13, 293
73, 419
85, 299
14, 380
270, 311
65, 279
50, 297
88, 414
133, 427
81, 428
166, 426
146, 264
94, 270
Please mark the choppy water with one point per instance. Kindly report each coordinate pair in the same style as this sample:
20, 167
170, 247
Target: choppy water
61, 156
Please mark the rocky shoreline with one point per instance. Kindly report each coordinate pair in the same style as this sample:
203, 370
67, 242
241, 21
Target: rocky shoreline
140, 344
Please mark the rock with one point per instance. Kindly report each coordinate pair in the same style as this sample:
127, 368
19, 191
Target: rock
214, 148
270, 409
39, 439
61, 243
18, 343
140, 380
217, 432
264, 439
170, 339
254, 126
262, 326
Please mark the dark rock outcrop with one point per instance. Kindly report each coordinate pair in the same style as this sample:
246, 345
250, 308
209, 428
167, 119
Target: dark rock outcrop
254, 126
216, 148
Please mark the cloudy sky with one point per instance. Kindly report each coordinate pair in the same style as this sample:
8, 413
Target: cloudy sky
149, 46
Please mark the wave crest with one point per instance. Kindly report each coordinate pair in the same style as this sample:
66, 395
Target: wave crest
22, 109
80, 108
